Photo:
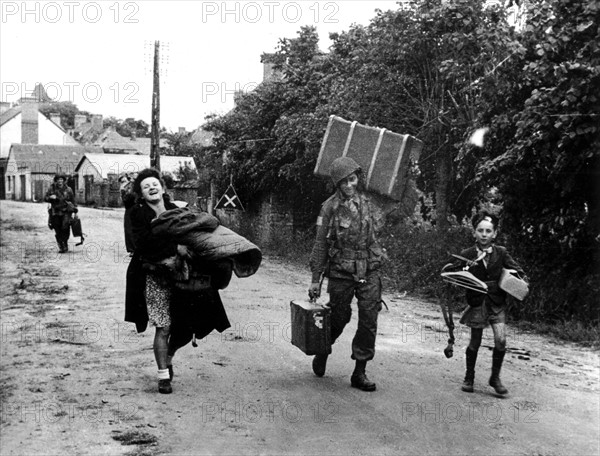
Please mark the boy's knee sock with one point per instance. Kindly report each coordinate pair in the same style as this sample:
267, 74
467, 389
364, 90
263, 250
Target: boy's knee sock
471, 360
497, 360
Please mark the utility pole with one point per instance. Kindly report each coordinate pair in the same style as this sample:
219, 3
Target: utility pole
155, 131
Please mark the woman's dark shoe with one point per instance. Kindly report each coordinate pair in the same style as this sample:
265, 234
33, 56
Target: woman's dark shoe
467, 385
361, 381
164, 386
319, 365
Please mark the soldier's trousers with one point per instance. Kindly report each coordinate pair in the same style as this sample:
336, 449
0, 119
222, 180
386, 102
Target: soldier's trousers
62, 228
341, 292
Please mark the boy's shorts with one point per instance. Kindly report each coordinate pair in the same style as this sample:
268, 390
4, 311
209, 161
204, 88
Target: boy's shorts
482, 316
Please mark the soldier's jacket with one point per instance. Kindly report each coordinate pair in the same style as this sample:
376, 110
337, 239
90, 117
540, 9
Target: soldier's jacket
346, 244
64, 203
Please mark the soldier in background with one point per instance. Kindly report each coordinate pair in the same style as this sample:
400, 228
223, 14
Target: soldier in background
346, 250
62, 207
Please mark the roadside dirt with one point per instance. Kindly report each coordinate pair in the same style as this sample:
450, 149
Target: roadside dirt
76, 379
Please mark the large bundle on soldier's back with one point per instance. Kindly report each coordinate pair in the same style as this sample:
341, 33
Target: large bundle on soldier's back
384, 156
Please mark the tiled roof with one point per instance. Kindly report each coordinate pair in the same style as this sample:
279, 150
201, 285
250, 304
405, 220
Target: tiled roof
48, 158
110, 139
7, 115
107, 164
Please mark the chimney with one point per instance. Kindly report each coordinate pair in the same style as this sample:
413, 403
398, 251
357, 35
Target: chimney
182, 130
80, 119
4, 106
55, 117
29, 123
97, 121
269, 71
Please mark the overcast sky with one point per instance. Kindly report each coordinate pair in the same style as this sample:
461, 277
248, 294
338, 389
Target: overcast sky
99, 54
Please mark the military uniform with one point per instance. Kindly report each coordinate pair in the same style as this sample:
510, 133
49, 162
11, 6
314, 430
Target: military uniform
346, 250
61, 211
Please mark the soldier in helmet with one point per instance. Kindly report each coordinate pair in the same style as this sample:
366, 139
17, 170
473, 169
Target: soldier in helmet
63, 206
346, 250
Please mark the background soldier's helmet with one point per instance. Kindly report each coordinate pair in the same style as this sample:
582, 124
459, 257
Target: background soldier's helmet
342, 167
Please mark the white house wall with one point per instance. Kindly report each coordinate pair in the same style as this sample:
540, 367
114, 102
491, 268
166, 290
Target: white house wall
87, 168
10, 177
48, 133
16, 186
10, 133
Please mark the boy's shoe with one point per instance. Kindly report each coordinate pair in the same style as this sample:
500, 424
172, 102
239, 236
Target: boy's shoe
164, 386
361, 381
497, 385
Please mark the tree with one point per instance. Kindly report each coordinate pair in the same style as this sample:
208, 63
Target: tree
270, 141
66, 109
129, 127
543, 154
177, 141
419, 71
415, 71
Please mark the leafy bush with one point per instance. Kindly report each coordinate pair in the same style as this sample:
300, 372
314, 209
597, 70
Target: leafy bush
297, 249
562, 287
417, 254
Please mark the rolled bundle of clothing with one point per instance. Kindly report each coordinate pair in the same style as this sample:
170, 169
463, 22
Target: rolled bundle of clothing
209, 243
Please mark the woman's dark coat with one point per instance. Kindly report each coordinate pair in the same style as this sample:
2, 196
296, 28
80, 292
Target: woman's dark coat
192, 312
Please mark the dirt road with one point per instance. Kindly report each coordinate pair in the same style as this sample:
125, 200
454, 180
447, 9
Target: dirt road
76, 379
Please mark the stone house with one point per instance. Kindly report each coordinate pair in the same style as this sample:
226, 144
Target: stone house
30, 168
25, 124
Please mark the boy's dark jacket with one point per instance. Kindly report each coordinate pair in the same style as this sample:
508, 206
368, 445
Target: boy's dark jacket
496, 261
193, 312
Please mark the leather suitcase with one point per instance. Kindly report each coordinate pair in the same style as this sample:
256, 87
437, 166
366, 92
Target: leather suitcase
311, 327
384, 156
514, 286
76, 229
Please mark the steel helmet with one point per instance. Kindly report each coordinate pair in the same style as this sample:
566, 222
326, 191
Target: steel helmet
342, 167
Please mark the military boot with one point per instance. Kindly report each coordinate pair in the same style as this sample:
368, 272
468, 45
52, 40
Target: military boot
497, 359
359, 378
469, 380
